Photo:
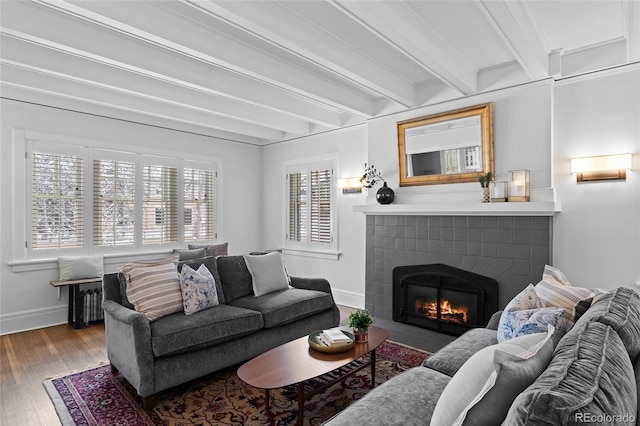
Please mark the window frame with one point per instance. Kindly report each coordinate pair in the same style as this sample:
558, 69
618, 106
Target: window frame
309, 248
23, 142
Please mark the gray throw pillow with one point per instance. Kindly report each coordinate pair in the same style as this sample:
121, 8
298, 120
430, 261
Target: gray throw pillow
267, 272
189, 254
213, 250
479, 378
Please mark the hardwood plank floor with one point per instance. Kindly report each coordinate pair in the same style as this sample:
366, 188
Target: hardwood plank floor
28, 358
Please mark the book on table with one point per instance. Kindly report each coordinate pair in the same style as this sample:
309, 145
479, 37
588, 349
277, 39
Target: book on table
334, 337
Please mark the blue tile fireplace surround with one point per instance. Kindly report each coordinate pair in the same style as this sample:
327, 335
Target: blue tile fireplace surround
511, 249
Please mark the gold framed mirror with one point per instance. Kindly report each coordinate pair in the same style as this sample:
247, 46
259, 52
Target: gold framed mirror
449, 147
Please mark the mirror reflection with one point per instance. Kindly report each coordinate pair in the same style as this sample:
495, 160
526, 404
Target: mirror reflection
446, 148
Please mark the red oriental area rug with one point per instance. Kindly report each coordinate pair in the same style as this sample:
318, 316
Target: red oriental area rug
96, 397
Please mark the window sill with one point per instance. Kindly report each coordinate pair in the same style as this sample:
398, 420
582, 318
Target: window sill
316, 254
110, 261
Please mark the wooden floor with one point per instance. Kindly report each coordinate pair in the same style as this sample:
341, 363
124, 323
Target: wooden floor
28, 358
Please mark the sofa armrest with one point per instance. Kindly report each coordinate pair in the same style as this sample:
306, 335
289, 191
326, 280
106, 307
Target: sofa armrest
319, 284
129, 345
494, 321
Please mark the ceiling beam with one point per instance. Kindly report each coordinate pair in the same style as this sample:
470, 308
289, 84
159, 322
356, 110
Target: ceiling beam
399, 26
92, 92
302, 37
631, 11
513, 23
244, 87
77, 64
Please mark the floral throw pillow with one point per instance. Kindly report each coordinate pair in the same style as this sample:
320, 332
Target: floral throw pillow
527, 314
198, 289
529, 321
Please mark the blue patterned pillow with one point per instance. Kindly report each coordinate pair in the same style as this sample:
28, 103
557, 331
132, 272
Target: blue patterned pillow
198, 289
528, 321
525, 314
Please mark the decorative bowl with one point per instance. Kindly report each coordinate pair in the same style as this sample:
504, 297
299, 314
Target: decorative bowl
317, 346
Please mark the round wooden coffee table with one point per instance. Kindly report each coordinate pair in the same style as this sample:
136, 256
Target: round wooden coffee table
295, 362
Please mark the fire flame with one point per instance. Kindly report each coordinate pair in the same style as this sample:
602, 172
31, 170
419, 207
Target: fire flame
448, 312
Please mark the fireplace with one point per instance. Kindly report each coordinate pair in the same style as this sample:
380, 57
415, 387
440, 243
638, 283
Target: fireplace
443, 298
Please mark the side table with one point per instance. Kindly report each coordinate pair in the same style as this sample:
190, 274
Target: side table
75, 307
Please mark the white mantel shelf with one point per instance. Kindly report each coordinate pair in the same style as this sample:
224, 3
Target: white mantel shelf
539, 208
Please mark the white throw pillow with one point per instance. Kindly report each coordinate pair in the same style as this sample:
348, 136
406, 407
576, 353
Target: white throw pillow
198, 289
478, 376
268, 273
80, 267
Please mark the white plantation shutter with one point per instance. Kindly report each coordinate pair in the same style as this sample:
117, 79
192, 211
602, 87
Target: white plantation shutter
159, 204
320, 221
114, 210
199, 204
297, 206
310, 205
57, 200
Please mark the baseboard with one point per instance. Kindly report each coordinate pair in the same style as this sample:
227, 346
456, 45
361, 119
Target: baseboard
33, 319
348, 298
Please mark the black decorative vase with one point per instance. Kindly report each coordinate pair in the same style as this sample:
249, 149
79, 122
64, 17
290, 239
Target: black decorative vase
385, 195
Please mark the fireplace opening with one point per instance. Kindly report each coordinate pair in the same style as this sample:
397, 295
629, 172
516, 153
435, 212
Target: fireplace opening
443, 298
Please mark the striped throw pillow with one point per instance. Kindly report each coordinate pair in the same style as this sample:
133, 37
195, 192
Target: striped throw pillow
154, 288
565, 296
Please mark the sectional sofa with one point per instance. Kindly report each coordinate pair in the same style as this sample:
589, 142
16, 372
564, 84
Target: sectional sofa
592, 376
175, 348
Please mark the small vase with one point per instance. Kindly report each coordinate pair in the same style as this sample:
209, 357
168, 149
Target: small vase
385, 195
361, 334
485, 195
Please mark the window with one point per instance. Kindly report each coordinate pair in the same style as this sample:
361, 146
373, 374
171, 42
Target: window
57, 200
114, 212
199, 199
310, 205
82, 198
159, 204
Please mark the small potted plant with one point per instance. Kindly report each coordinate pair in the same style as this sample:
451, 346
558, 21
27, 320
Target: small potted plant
360, 320
484, 180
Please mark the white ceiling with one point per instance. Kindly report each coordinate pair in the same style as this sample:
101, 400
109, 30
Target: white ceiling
265, 71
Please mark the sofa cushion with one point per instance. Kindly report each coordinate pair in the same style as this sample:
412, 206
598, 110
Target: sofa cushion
407, 399
449, 359
268, 273
212, 266
180, 333
491, 379
234, 277
286, 306
590, 375
619, 310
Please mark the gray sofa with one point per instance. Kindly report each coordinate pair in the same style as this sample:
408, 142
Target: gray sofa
593, 376
174, 349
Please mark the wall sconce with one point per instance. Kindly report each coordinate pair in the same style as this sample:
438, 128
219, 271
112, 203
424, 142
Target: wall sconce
499, 191
604, 167
518, 185
350, 185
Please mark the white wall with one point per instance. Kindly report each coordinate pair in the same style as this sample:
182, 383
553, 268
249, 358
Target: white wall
26, 298
597, 235
521, 137
346, 274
